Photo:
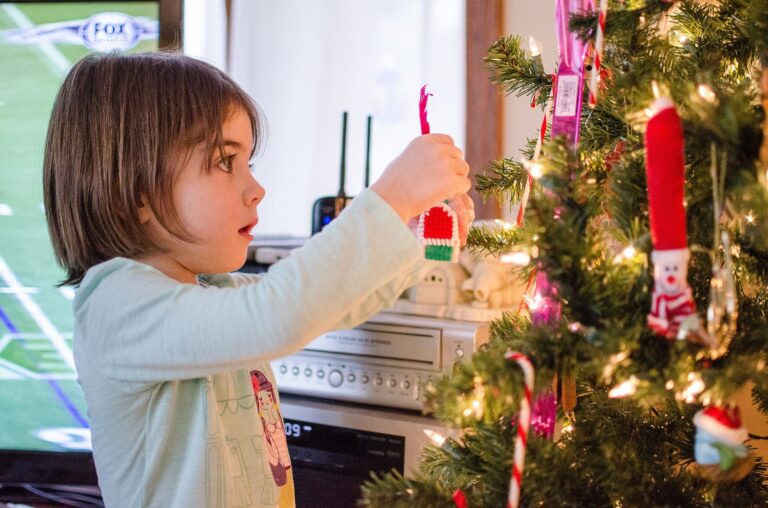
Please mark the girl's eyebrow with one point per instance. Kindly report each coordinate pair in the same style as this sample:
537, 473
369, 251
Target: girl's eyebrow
230, 142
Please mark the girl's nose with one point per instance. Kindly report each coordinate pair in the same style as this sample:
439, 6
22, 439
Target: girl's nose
255, 192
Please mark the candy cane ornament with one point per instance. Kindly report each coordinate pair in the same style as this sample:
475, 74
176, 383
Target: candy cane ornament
438, 227
597, 64
523, 422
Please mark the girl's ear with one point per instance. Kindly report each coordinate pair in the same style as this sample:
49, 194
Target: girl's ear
145, 211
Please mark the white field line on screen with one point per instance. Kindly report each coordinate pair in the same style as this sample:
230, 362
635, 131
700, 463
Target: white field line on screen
68, 292
18, 369
34, 310
54, 56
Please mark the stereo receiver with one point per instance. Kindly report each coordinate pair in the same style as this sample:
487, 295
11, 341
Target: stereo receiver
386, 361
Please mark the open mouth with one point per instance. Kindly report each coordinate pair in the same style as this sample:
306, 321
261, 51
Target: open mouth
246, 230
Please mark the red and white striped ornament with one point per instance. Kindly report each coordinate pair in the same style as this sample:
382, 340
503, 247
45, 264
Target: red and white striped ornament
523, 422
594, 82
520, 215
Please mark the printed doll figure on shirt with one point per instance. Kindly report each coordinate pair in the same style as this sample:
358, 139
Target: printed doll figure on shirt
274, 429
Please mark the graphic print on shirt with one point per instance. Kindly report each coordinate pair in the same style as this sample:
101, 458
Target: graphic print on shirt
239, 488
275, 442
228, 400
214, 476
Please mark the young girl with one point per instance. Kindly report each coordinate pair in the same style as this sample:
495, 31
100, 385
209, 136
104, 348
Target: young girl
150, 203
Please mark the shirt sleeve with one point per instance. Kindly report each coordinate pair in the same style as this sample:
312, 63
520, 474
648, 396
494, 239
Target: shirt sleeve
136, 324
377, 300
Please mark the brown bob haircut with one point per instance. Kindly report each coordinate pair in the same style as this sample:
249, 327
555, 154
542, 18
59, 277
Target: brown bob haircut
121, 128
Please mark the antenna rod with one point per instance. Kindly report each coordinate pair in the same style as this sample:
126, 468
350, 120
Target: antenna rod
343, 170
341, 198
368, 152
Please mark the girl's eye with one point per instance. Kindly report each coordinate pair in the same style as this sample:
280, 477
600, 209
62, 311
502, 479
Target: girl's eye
227, 163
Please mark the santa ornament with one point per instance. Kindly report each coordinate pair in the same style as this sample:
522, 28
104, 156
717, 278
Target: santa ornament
673, 311
719, 449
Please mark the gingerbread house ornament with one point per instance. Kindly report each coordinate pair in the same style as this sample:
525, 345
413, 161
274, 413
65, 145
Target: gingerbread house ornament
438, 232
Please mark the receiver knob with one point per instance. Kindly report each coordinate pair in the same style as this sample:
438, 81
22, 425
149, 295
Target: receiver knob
335, 378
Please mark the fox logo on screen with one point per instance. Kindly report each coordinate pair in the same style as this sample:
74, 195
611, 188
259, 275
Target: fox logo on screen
109, 31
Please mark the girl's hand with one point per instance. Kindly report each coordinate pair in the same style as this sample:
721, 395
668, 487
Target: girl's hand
430, 170
464, 207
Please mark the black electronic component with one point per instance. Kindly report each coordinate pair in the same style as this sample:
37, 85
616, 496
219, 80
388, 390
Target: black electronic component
327, 208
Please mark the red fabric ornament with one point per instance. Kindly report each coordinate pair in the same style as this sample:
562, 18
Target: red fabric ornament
439, 224
665, 165
459, 499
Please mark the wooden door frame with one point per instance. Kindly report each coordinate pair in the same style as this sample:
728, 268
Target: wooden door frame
484, 116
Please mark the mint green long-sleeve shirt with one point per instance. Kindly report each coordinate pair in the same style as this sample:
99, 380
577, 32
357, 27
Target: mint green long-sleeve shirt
181, 398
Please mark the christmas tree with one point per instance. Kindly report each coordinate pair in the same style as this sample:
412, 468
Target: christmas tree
639, 378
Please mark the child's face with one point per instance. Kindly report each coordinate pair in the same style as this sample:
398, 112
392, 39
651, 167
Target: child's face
218, 207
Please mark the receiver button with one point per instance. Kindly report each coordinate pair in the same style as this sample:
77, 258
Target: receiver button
283, 369
308, 372
295, 371
320, 374
335, 378
392, 382
351, 378
378, 380
405, 384
364, 378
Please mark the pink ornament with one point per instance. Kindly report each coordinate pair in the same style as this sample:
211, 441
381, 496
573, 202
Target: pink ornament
570, 73
544, 414
545, 307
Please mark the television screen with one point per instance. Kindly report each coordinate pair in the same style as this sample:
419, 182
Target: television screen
41, 406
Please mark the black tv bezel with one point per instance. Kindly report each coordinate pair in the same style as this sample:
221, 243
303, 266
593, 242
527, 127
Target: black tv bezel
22, 467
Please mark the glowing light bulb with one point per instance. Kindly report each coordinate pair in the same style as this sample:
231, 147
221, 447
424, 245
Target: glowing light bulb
629, 252
435, 437
693, 389
706, 93
624, 389
750, 218
655, 89
534, 45
534, 168
516, 258
535, 302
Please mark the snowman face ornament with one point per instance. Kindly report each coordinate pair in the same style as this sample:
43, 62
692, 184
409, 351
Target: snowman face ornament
670, 270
